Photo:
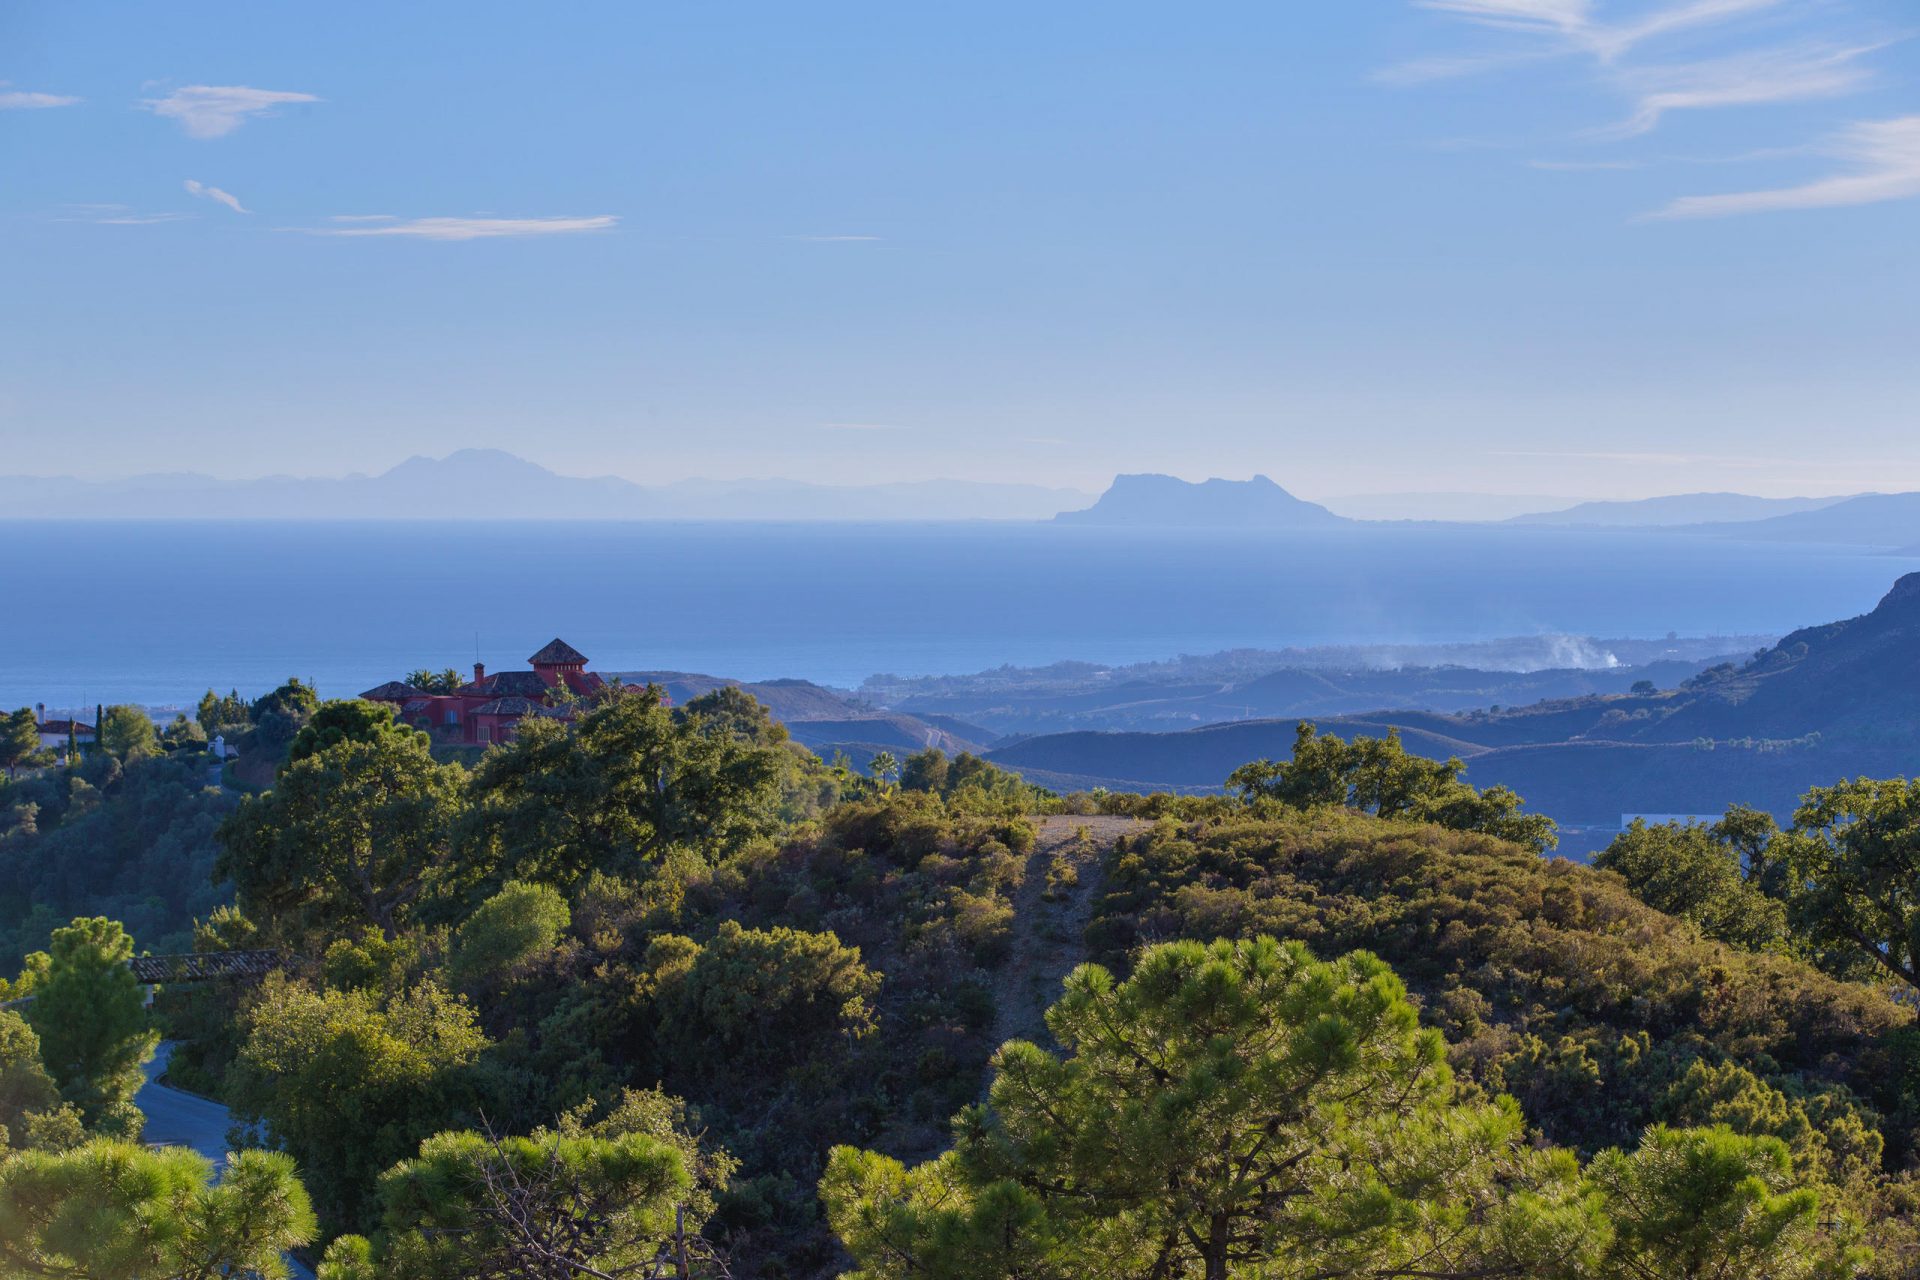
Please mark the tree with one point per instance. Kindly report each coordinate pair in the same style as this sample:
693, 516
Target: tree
126, 733
19, 739
182, 732
347, 720
351, 1081
1238, 1109
278, 715
884, 769
222, 715
115, 1210
1849, 870
446, 680
733, 712
1644, 688
615, 788
1691, 872
926, 771
355, 833
1694, 1204
546, 1207
752, 999
31, 1111
91, 1017
1379, 776
515, 926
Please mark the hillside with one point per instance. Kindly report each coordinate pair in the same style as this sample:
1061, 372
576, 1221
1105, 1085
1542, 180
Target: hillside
1550, 979
1869, 520
1172, 702
1676, 509
827, 720
1156, 501
1825, 702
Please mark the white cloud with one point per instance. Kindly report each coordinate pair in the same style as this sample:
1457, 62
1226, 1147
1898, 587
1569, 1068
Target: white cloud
1572, 24
213, 111
116, 215
21, 100
1744, 80
1885, 165
1582, 166
460, 228
832, 239
206, 192
862, 426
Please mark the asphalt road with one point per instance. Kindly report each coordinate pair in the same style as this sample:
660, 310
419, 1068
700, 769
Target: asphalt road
177, 1119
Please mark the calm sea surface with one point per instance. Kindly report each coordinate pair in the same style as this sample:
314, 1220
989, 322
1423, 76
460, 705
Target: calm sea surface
155, 613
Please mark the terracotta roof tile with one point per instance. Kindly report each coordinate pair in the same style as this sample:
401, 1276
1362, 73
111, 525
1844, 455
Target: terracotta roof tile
558, 653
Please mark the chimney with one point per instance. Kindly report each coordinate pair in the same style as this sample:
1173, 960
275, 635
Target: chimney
479, 672
40, 712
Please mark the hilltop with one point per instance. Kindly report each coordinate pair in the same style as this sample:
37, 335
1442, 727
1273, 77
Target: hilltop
1157, 501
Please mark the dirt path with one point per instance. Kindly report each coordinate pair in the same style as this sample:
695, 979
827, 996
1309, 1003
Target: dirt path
1046, 935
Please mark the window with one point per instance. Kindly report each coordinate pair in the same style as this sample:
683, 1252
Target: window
453, 715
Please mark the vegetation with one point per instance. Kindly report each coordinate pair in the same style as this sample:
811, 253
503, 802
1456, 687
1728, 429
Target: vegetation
1379, 776
19, 740
117, 1211
653, 988
91, 1020
1242, 1109
127, 733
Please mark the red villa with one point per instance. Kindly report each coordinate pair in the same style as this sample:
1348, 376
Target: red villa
489, 708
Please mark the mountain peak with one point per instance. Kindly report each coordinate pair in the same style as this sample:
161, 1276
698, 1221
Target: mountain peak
492, 462
1152, 500
1905, 594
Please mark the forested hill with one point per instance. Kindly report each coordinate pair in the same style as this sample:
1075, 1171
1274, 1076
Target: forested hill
1825, 702
652, 984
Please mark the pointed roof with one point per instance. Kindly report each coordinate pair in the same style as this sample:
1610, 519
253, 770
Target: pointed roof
558, 654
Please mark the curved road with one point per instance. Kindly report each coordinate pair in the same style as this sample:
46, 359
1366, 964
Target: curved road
179, 1119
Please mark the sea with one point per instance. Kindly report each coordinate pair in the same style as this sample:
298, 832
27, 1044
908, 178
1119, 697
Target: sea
157, 612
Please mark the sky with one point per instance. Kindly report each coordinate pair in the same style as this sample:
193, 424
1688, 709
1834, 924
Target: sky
1561, 247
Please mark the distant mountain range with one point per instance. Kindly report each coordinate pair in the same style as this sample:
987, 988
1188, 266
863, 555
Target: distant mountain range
488, 484
1156, 501
1824, 703
1870, 520
1677, 509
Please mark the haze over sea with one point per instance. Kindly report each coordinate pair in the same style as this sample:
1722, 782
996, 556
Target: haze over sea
157, 612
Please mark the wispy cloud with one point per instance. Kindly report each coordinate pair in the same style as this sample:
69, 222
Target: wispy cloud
1574, 26
1884, 158
458, 228
862, 426
215, 194
1582, 166
1645, 459
1743, 80
1796, 70
213, 111
832, 239
21, 100
116, 215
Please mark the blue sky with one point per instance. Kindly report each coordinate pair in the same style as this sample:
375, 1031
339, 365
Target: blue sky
1530, 246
